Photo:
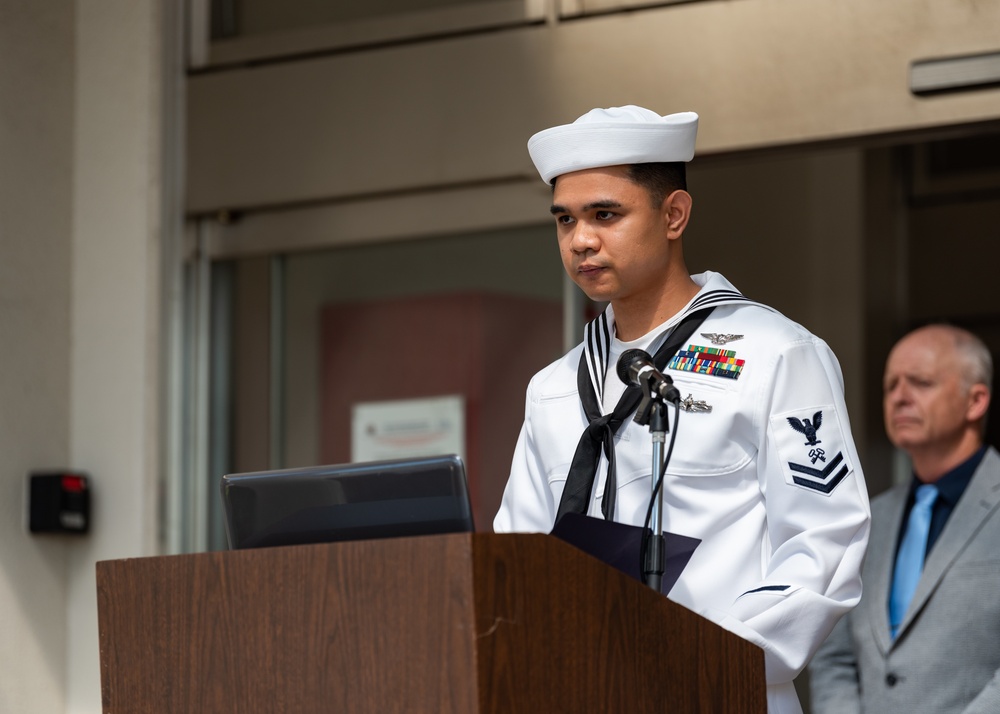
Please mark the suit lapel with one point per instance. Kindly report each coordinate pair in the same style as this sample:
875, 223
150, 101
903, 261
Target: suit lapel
879, 567
981, 498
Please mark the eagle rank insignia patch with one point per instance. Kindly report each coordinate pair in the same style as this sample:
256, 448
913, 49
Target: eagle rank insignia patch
810, 444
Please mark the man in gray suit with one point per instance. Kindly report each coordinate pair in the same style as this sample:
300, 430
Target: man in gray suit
927, 640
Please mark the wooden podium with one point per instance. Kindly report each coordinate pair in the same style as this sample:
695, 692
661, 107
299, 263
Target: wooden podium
469, 623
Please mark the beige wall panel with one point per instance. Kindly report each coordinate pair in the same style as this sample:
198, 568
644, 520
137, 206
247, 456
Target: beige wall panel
36, 151
323, 31
114, 406
407, 216
760, 72
371, 122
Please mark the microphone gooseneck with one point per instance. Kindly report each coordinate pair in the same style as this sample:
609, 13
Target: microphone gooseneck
636, 367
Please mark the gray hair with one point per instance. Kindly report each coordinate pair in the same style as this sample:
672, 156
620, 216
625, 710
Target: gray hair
977, 358
976, 361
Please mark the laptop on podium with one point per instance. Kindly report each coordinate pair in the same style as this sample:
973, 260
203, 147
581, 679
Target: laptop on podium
359, 501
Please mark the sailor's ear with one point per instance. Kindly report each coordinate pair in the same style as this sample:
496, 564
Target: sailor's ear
676, 209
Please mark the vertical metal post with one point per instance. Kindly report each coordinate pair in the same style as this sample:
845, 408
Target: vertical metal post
276, 345
653, 565
199, 394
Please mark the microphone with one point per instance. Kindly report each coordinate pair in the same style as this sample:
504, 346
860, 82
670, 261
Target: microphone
636, 367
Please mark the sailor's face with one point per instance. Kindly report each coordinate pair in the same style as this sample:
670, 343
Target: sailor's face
612, 240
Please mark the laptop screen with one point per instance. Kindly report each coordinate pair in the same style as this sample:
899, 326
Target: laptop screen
361, 501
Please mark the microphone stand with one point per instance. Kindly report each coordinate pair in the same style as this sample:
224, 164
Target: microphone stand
652, 411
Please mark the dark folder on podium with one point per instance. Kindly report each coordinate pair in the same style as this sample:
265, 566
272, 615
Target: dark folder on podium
619, 545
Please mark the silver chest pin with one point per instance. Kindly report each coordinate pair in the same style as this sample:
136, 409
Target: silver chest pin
718, 338
689, 404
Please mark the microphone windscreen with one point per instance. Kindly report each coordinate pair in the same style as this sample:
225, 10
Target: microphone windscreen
629, 358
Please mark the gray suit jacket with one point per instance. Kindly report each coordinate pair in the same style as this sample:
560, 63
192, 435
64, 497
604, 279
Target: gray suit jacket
947, 655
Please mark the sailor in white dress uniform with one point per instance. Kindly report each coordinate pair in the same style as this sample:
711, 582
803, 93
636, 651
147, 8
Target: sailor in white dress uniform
764, 470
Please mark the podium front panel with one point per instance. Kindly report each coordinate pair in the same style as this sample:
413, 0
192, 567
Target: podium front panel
371, 626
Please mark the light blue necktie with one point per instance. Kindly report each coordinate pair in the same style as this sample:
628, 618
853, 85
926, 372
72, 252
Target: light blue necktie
910, 560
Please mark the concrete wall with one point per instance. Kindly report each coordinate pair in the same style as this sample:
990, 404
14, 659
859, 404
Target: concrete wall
115, 338
79, 321
762, 73
36, 159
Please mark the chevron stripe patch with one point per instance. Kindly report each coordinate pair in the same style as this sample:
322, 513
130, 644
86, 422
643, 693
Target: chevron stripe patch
822, 480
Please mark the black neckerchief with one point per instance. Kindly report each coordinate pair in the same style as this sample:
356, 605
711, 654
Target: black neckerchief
602, 429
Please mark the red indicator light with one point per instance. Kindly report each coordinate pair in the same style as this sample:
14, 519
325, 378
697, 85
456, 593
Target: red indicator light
73, 484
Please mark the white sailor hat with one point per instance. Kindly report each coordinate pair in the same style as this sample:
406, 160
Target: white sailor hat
614, 136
